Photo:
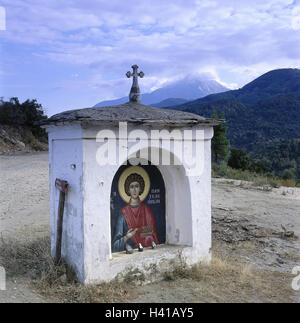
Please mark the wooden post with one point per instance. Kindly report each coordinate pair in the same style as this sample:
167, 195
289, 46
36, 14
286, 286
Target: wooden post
63, 188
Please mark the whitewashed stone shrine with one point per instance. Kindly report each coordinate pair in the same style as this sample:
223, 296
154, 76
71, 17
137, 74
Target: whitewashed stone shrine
139, 187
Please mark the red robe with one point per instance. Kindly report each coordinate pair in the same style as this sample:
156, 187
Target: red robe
140, 217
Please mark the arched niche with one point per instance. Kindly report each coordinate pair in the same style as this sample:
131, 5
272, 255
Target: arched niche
153, 197
176, 197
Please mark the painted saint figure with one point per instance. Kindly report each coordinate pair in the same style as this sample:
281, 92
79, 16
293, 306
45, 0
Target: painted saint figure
135, 227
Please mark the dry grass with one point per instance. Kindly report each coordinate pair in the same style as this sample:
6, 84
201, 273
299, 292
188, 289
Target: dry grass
67, 292
33, 260
226, 280
288, 182
257, 179
230, 280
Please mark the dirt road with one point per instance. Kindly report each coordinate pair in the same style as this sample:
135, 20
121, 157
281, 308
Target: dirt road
241, 214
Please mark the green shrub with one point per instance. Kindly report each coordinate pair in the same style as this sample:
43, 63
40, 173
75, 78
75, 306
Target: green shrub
225, 171
239, 159
287, 174
13, 112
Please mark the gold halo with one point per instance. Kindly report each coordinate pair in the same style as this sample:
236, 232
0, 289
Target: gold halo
128, 171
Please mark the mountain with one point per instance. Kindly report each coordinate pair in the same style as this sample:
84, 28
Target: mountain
169, 102
248, 125
261, 114
281, 81
189, 88
111, 102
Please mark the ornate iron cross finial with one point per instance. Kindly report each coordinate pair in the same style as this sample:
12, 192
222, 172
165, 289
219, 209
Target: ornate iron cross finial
135, 93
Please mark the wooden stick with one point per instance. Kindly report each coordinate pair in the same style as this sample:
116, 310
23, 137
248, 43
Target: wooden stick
63, 187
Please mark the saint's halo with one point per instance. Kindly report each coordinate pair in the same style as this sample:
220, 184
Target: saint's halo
127, 172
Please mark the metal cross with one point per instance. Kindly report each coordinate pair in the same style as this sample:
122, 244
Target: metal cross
135, 93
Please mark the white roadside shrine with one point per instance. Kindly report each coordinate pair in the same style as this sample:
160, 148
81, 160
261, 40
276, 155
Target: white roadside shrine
170, 154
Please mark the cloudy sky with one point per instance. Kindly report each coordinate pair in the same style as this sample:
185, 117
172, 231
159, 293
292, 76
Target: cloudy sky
73, 54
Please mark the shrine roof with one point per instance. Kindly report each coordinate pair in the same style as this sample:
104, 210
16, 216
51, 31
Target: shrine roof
130, 112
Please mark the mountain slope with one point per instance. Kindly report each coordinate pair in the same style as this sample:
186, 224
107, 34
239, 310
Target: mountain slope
188, 89
169, 102
261, 114
280, 155
281, 81
275, 117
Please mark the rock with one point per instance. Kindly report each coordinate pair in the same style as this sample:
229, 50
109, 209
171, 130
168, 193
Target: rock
280, 261
287, 234
223, 208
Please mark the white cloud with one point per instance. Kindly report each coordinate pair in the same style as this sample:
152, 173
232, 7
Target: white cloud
168, 39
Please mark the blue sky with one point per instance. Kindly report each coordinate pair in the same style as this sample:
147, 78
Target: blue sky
73, 54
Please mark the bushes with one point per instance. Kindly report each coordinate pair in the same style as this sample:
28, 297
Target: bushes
225, 171
241, 167
287, 174
21, 117
258, 167
239, 159
13, 112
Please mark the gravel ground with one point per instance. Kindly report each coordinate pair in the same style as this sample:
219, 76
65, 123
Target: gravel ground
241, 214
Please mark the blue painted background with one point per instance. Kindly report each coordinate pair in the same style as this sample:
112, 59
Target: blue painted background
158, 209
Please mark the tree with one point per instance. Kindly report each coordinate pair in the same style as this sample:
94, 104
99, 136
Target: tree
258, 167
239, 159
24, 114
220, 144
16, 113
